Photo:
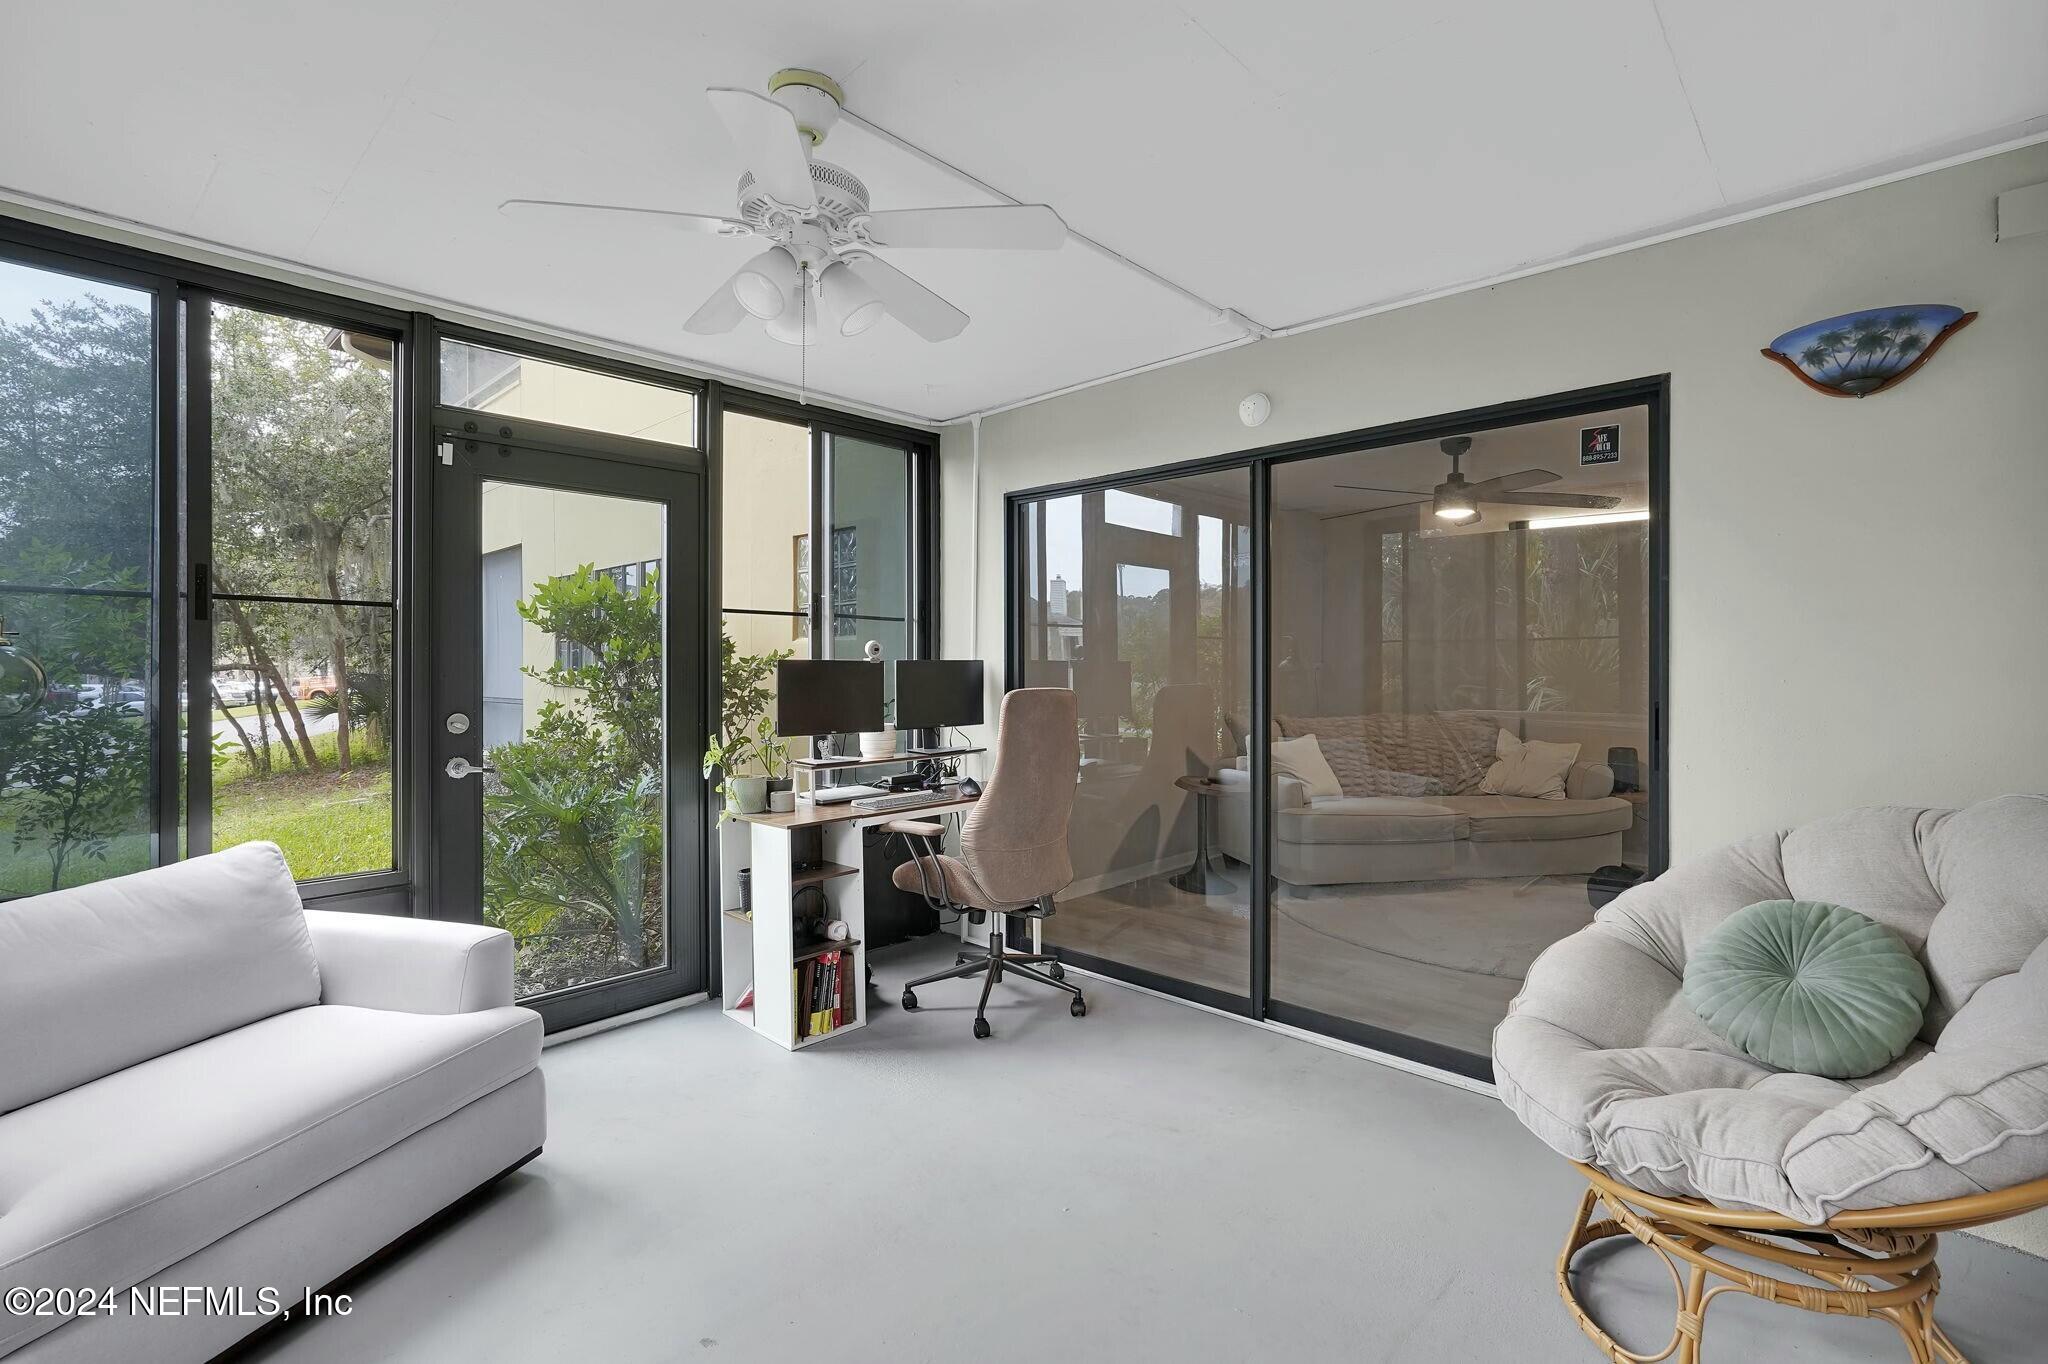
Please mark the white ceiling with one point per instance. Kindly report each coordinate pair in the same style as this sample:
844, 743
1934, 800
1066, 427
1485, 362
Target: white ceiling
1290, 159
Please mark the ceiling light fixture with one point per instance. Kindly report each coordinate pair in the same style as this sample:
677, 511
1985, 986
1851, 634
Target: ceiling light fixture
1453, 500
767, 284
1596, 519
849, 302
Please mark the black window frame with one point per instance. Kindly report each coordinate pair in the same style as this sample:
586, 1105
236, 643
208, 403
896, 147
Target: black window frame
1652, 393
174, 279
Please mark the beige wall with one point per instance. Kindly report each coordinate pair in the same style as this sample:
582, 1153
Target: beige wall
557, 532
1859, 588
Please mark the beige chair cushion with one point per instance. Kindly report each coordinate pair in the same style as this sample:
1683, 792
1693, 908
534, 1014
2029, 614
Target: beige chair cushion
1601, 1056
1521, 819
948, 875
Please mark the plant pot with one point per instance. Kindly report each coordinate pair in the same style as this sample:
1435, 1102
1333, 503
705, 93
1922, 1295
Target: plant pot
781, 802
746, 876
746, 795
879, 743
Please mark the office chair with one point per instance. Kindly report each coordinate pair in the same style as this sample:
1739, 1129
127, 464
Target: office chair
1013, 846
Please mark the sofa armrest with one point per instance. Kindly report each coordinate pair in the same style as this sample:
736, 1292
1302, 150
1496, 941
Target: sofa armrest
1588, 781
420, 966
1289, 793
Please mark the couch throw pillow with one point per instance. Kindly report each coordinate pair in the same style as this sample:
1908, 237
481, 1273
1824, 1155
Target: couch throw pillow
1531, 768
1303, 760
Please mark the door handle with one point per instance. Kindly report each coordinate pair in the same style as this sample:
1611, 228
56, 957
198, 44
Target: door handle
463, 767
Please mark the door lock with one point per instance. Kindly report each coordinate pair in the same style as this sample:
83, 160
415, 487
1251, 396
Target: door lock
463, 767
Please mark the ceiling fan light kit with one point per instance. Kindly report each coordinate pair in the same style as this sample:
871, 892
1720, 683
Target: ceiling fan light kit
767, 284
817, 218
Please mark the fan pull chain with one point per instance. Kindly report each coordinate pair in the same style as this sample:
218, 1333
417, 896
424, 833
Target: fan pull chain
803, 336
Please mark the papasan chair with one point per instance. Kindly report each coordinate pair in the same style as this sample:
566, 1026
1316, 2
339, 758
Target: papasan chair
1702, 1152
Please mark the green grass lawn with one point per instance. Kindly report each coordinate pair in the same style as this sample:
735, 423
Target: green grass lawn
327, 824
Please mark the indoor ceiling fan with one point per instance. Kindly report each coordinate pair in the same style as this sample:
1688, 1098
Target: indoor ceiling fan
820, 266
1456, 502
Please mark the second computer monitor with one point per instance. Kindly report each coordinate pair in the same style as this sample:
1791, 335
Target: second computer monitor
827, 696
932, 693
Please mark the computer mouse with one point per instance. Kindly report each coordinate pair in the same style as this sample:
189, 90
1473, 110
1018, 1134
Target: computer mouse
969, 787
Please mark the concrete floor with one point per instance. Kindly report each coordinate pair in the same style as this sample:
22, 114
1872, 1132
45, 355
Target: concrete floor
1148, 1183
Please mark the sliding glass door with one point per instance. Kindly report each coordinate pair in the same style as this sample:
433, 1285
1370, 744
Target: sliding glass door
1138, 599
1452, 753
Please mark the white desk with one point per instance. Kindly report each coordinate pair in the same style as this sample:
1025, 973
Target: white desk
763, 950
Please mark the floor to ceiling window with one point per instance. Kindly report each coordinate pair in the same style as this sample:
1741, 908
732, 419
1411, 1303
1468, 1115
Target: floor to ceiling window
78, 453
300, 694
1458, 704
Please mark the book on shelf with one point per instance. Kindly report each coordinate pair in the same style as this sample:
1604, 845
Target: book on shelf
821, 990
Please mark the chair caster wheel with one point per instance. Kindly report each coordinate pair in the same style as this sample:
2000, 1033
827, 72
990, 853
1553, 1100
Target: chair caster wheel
959, 958
909, 1000
1079, 1008
1057, 971
981, 1027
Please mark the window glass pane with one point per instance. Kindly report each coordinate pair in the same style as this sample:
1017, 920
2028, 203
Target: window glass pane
542, 390
1140, 602
868, 592
574, 673
77, 520
766, 497
303, 691
1413, 652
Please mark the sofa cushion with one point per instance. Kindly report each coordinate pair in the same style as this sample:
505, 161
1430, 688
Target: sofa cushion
234, 1126
1454, 747
1368, 819
1518, 819
95, 979
1353, 762
1601, 1056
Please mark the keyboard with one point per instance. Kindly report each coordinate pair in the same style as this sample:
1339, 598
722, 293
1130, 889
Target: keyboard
899, 801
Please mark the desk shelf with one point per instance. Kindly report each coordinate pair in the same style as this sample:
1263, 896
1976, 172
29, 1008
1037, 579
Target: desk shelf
818, 875
894, 760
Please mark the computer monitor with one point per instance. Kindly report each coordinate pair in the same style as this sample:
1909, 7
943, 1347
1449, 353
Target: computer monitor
827, 696
932, 693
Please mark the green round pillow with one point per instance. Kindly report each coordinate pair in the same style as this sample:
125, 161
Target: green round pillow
1809, 987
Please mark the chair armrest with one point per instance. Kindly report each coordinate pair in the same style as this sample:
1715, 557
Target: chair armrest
916, 828
420, 966
1588, 781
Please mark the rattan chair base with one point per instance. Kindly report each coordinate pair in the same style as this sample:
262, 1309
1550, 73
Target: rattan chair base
1878, 1263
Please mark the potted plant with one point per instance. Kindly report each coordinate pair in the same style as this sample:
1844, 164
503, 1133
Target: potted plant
745, 738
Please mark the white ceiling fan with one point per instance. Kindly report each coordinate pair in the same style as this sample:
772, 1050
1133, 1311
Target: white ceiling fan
1455, 502
820, 266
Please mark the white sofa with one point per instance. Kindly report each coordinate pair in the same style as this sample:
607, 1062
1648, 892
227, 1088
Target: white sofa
1461, 833
202, 1083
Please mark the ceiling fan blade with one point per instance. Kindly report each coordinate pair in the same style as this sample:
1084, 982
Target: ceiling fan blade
547, 210
1368, 488
1014, 227
721, 313
769, 143
1514, 482
1590, 501
909, 302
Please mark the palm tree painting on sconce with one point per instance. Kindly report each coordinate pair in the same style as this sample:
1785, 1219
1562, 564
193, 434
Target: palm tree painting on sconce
1858, 354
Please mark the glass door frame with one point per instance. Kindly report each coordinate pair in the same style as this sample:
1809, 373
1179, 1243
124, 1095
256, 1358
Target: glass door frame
1652, 393
469, 449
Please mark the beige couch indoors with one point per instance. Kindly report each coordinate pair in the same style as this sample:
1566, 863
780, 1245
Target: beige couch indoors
1368, 837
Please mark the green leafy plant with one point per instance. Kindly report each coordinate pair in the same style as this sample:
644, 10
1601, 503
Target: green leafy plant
573, 838
746, 733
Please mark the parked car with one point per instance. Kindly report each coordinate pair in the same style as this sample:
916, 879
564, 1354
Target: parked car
235, 691
91, 693
312, 687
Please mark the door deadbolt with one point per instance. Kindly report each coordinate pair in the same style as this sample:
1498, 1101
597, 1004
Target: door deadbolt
458, 723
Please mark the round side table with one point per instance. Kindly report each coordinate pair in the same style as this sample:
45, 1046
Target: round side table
1198, 879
